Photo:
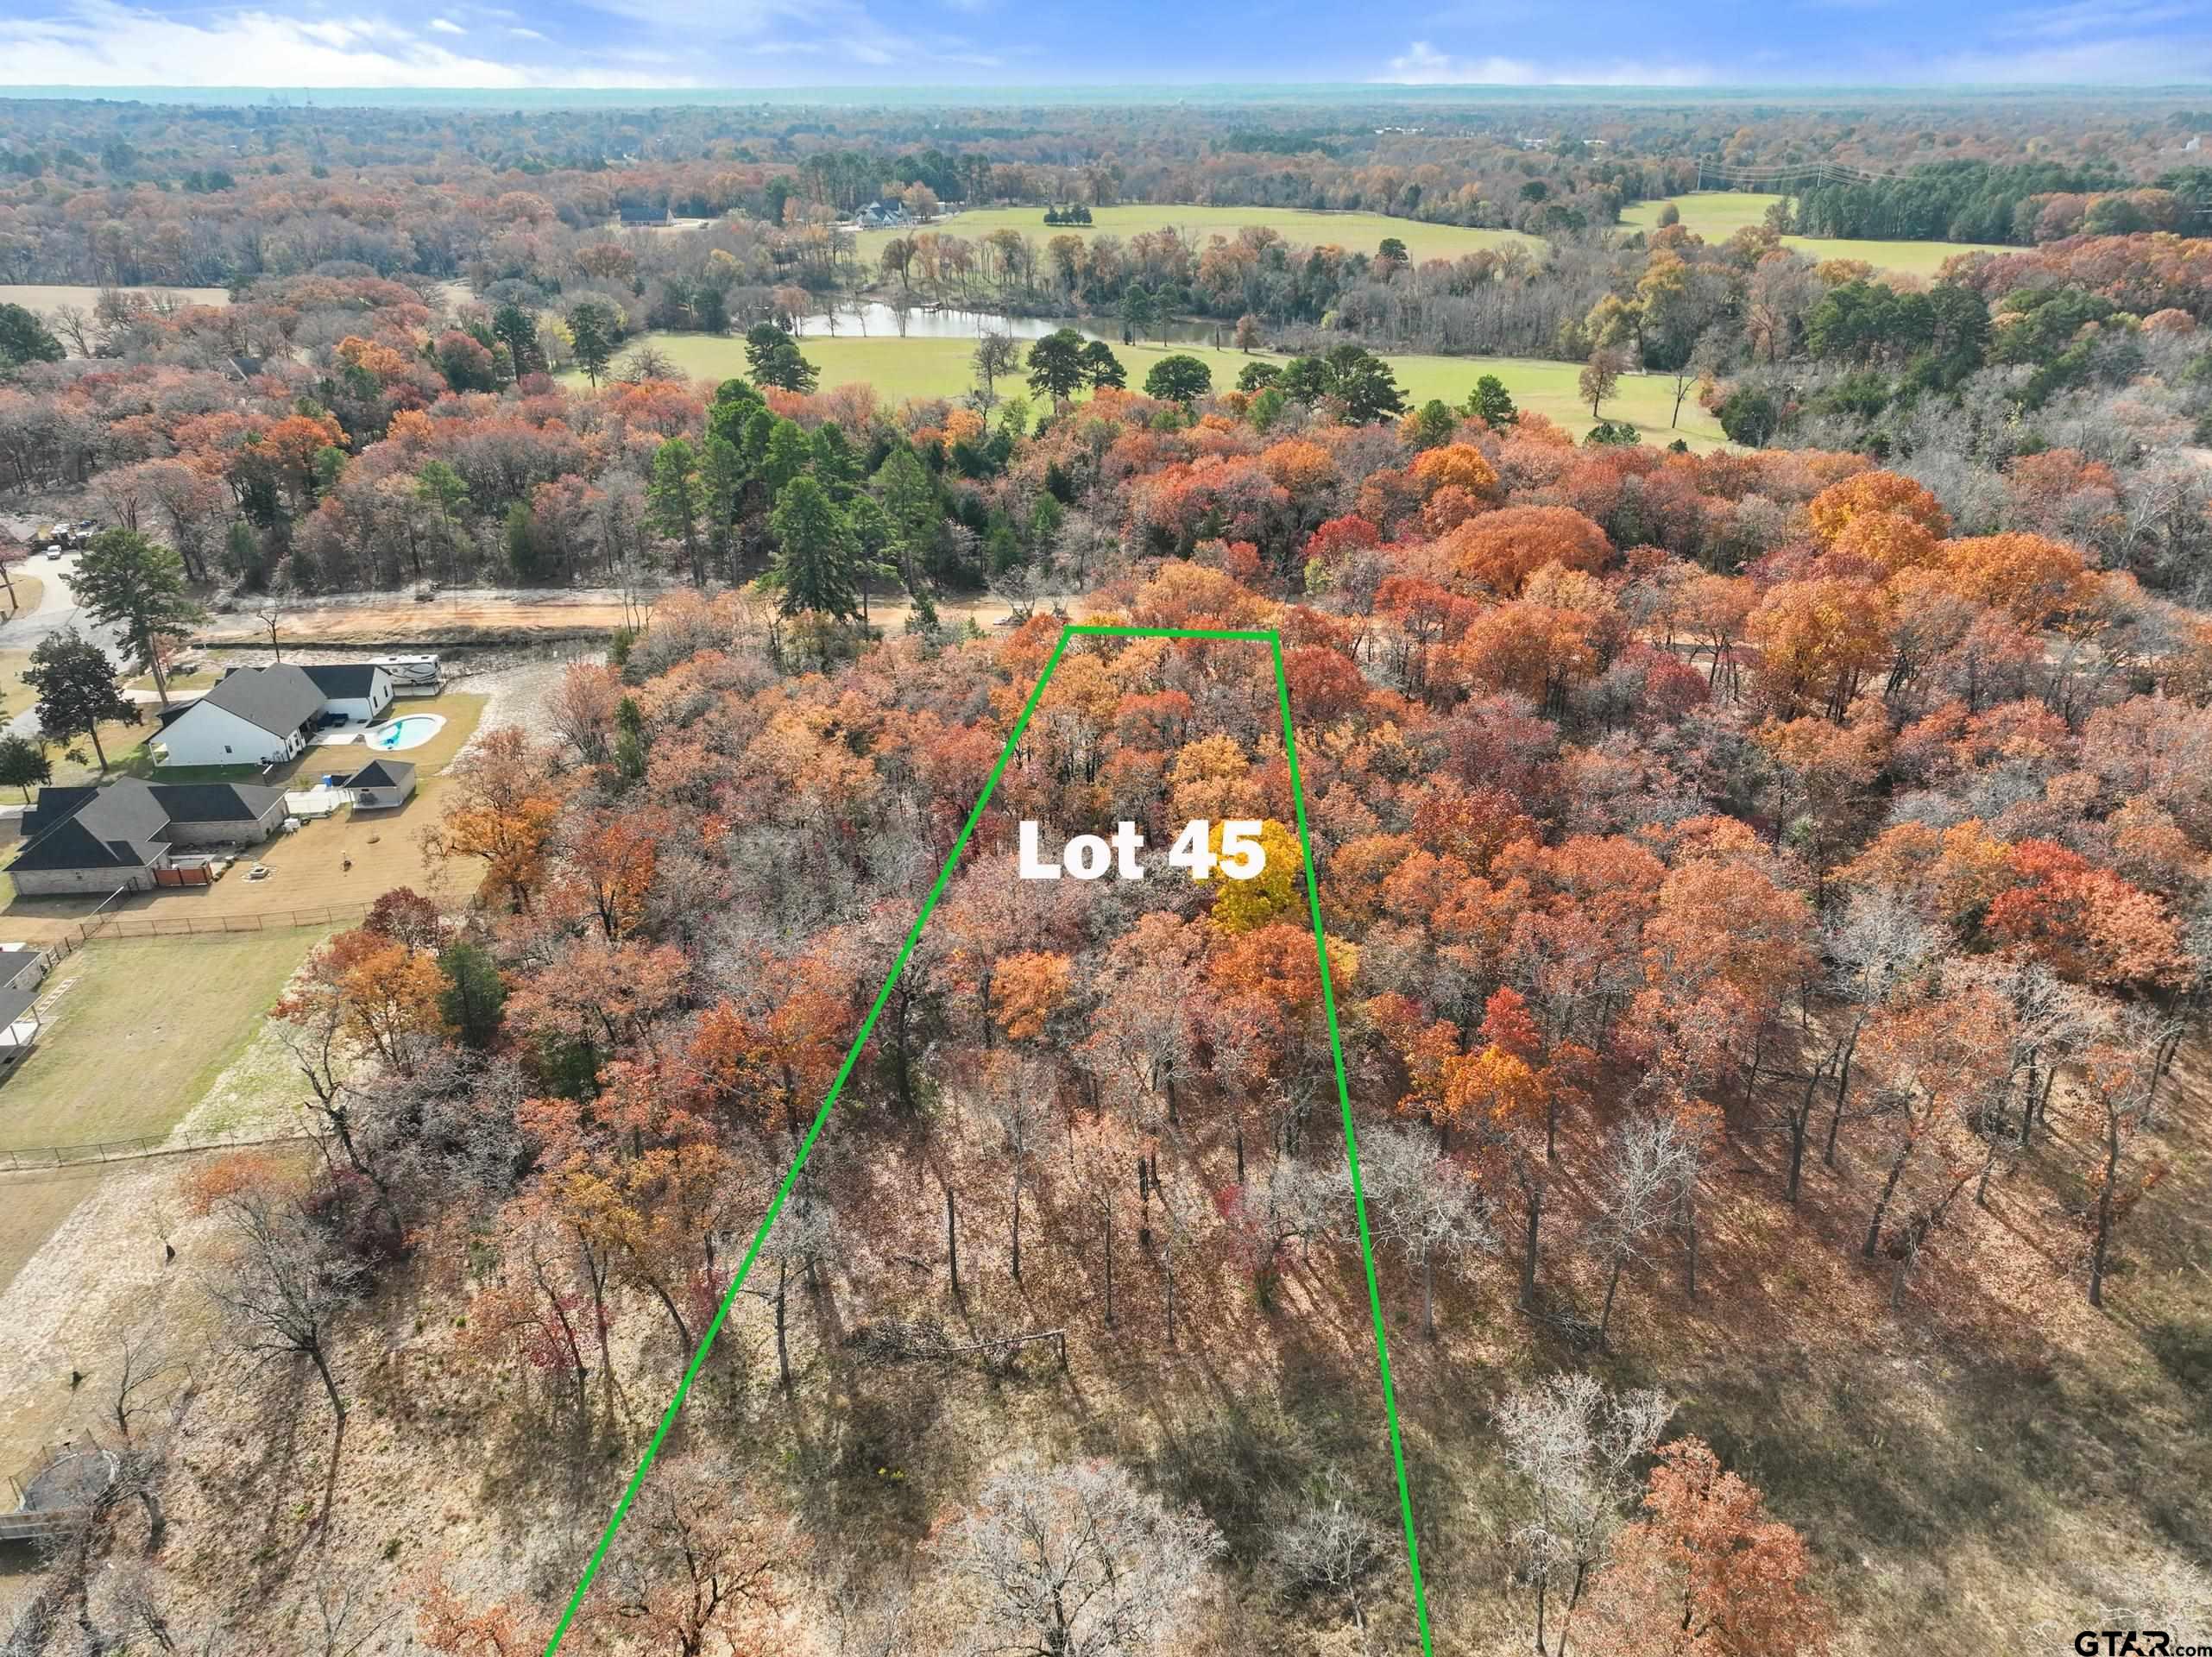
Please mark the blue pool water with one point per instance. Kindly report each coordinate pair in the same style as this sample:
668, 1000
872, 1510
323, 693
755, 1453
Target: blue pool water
408, 731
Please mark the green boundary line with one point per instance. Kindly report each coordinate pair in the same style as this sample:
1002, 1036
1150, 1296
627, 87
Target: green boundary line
1274, 642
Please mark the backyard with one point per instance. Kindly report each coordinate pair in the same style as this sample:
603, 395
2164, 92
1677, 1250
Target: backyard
135, 1031
336, 863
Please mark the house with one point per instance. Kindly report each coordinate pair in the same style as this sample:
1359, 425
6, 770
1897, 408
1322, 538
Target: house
254, 716
381, 785
360, 691
888, 214
123, 837
21, 967
636, 215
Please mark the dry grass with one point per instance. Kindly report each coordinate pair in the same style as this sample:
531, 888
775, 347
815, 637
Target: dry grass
32, 1205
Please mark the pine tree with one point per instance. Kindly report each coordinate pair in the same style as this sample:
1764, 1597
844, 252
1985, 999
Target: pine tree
817, 560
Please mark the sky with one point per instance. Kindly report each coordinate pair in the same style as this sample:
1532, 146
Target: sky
981, 43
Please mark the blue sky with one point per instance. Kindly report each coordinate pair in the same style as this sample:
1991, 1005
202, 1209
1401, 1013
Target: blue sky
909, 43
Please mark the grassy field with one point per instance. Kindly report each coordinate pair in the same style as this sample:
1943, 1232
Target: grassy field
1718, 214
137, 1029
941, 368
1354, 232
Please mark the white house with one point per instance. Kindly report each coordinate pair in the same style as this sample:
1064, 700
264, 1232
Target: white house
254, 716
360, 691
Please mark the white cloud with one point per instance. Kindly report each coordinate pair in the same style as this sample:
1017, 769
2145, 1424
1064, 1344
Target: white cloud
526, 34
446, 25
101, 43
1422, 64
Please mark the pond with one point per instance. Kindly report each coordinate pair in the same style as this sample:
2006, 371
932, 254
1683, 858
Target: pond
875, 319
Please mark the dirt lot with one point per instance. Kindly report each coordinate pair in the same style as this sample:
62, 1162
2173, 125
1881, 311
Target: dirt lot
478, 617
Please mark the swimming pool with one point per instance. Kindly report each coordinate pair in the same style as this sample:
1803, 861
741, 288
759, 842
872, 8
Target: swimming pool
408, 731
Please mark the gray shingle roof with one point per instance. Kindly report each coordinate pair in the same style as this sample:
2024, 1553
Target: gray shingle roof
127, 824
278, 699
343, 679
382, 773
120, 827
215, 802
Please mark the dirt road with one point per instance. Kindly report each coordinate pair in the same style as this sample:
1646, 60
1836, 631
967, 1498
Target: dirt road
483, 616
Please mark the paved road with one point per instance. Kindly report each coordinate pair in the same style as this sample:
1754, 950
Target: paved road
57, 609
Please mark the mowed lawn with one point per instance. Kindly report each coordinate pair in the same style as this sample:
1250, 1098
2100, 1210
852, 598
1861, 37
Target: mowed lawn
136, 1030
1717, 215
1353, 232
945, 367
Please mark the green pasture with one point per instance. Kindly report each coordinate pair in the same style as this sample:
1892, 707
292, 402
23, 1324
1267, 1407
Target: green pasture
1717, 215
944, 367
1354, 232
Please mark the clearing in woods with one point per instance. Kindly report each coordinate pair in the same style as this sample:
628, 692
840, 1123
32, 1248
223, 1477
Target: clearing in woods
1274, 642
1300, 227
1716, 215
914, 367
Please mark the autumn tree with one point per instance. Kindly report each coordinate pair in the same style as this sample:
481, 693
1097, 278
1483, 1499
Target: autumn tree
503, 812
1705, 1572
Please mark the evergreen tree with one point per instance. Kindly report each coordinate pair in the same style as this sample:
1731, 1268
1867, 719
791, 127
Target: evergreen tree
592, 328
76, 689
774, 358
1179, 379
1102, 368
23, 762
125, 581
913, 517
815, 556
1492, 403
673, 500
1056, 365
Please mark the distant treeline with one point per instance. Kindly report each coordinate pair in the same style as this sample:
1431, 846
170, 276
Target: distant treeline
1947, 201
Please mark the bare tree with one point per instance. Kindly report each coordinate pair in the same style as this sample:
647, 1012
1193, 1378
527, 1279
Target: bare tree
1879, 944
1077, 1561
806, 1228
1575, 1444
1018, 1097
143, 1378
693, 1568
1421, 1200
335, 1612
286, 1287
1330, 1550
995, 354
1643, 1170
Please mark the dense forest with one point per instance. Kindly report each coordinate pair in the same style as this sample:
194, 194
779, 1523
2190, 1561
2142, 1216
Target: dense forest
1765, 896
1725, 860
